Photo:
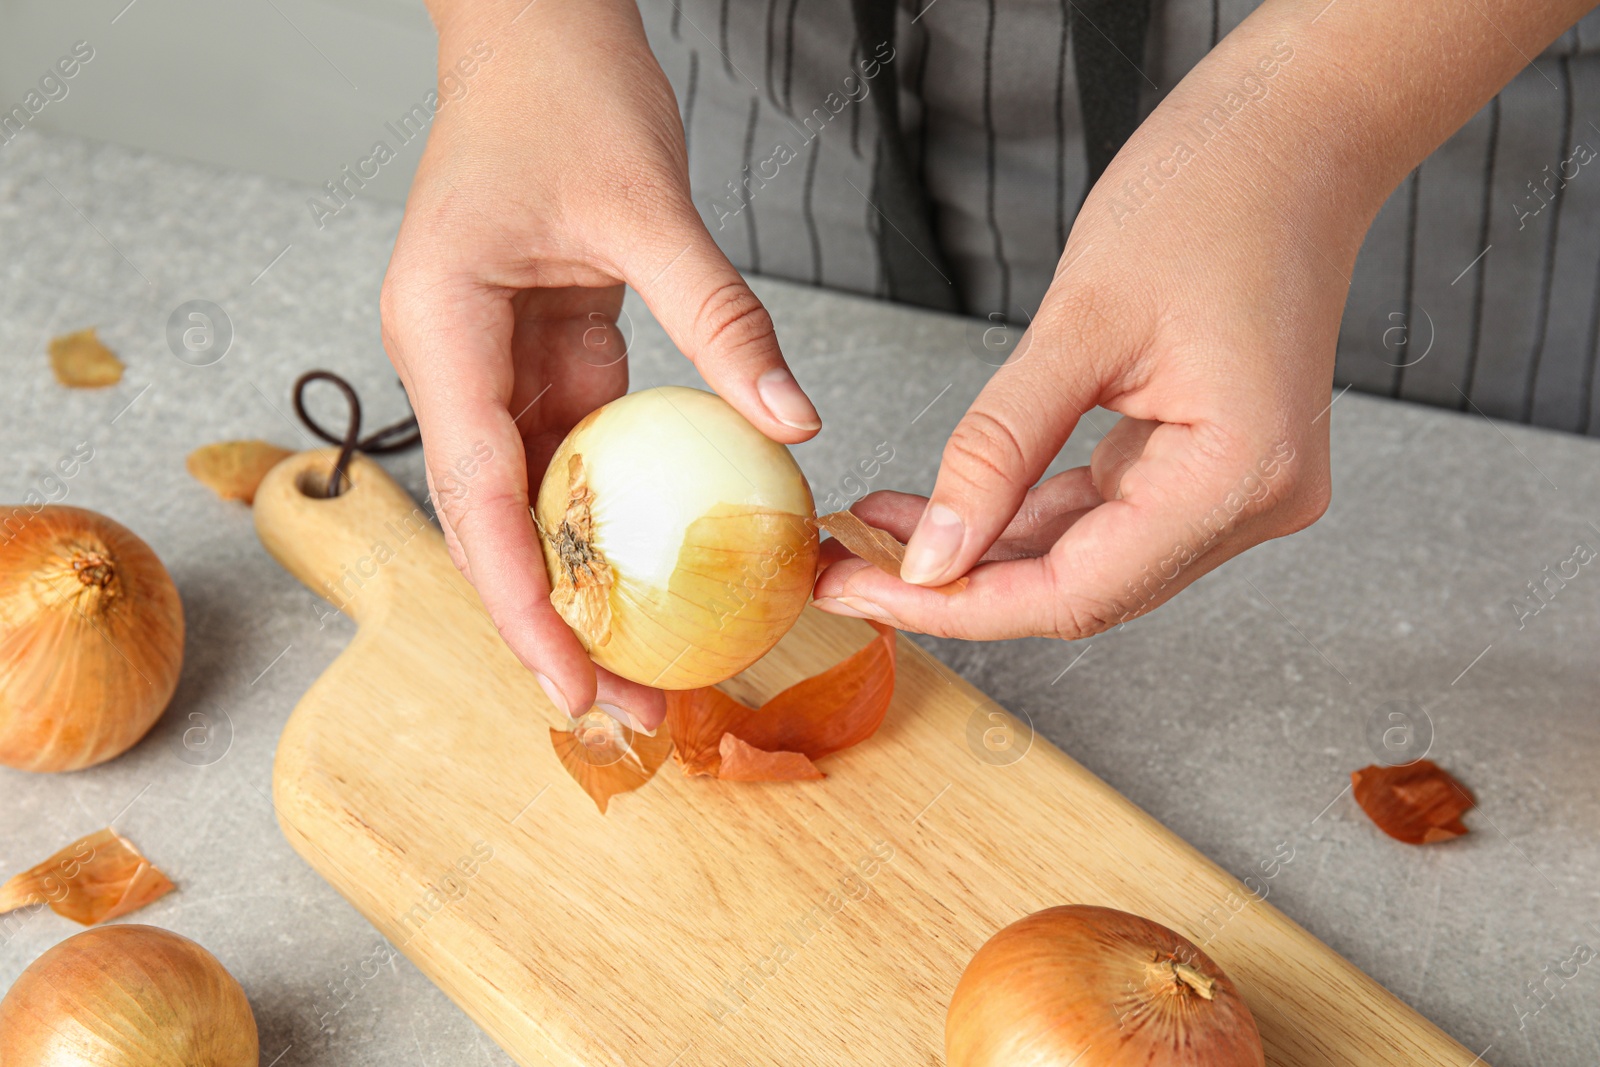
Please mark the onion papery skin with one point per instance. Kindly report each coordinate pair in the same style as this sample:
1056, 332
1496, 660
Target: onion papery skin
680, 542
1094, 987
127, 996
91, 638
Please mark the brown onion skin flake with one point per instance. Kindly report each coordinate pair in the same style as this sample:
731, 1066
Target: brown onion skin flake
1419, 803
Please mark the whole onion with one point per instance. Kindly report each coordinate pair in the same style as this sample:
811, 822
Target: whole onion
127, 996
680, 542
1095, 987
91, 638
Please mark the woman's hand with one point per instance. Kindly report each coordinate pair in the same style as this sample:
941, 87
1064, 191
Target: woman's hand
559, 178
1199, 297
1212, 334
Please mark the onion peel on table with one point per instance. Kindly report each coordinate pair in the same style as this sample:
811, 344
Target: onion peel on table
97, 877
81, 361
1418, 803
711, 734
878, 547
234, 469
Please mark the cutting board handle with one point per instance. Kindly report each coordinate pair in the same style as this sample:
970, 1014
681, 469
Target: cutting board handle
354, 550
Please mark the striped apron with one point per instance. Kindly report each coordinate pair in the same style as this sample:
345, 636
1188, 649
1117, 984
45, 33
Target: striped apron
936, 153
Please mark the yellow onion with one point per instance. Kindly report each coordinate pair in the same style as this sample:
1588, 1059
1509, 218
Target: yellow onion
1095, 987
91, 638
127, 996
680, 542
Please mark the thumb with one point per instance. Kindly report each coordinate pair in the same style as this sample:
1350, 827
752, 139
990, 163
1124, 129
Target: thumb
703, 303
996, 454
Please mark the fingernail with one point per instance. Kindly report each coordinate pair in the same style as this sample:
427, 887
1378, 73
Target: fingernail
623, 715
553, 693
934, 543
783, 397
836, 606
866, 608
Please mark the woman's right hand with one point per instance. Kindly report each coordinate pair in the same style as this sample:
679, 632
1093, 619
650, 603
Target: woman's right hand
556, 179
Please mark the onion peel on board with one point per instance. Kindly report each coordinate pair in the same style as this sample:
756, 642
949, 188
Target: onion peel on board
97, 877
815, 717
878, 547
1418, 803
606, 758
234, 469
711, 734
745, 763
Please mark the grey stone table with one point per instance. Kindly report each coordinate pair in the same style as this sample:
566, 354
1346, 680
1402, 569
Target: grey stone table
1234, 714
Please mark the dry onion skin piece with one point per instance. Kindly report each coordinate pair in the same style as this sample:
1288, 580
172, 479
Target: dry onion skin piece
91, 638
699, 719
607, 758
80, 361
1418, 803
815, 717
95, 878
234, 469
878, 547
127, 995
1096, 987
746, 763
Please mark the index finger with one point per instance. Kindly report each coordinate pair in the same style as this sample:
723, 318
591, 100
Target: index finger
1189, 510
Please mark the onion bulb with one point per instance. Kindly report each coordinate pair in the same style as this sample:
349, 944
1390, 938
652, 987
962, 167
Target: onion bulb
1095, 987
127, 996
91, 638
680, 542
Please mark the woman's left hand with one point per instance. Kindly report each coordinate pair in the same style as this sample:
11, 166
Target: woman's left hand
1220, 366
1203, 311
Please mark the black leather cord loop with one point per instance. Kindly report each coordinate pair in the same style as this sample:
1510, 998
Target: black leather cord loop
401, 435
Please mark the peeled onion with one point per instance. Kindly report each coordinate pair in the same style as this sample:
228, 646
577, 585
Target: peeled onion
127, 996
680, 542
91, 638
1095, 987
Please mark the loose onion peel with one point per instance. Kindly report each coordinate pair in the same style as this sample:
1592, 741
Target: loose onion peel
234, 469
878, 547
710, 734
1418, 803
96, 878
741, 762
606, 757
81, 361
815, 717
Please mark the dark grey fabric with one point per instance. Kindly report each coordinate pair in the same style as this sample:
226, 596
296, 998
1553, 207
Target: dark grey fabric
1108, 38
913, 272
776, 120
1477, 288
999, 135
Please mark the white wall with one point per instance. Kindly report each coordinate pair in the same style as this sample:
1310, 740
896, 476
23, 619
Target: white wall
295, 88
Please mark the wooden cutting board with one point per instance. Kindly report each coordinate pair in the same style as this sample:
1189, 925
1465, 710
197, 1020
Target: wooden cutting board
721, 923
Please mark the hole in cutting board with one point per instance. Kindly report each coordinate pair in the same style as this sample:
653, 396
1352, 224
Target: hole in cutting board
313, 483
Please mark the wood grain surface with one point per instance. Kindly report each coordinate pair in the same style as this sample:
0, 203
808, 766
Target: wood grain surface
719, 923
